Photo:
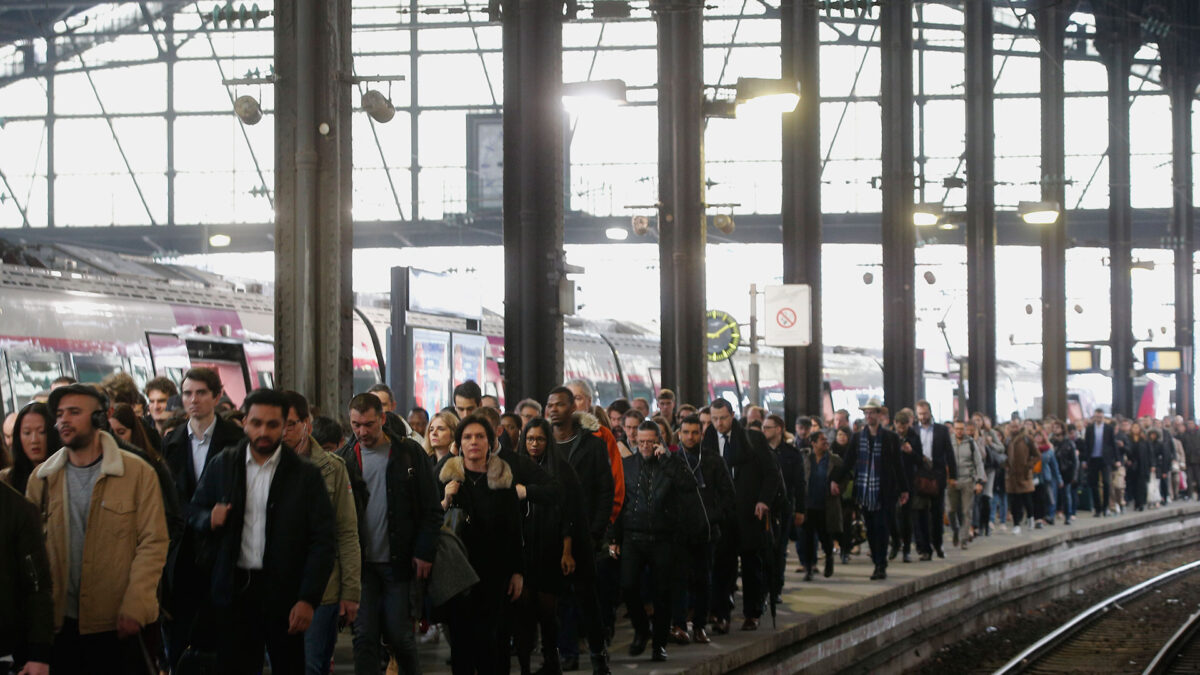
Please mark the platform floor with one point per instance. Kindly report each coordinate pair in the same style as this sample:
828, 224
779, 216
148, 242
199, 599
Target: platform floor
801, 600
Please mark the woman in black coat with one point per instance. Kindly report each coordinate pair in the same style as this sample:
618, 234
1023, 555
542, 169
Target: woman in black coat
1140, 457
482, 486
34, 439
548, 527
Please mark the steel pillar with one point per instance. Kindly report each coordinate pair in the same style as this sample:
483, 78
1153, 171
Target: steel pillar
1117, 39
803, 378
981, 212
533, 203
172, 56
1181, 75
313, 293
51, 66
681, 218
899, 235
1051, 22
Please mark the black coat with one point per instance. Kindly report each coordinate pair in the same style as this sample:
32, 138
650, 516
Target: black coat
413, 499
791, 464
492, 533
911, 461
588, 455
1108, 450
941, 455
893, 482
300, 542
26, 604
548, 519
654, 492
756, 479
1066, 453
716, 488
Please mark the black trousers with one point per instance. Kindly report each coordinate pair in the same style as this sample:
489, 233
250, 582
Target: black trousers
582, 599
782, 541
478, 644
694, 584
535, 609
659, 556
930, 524
96, 653
1097, 471
902, 529
725, 569
246, 627
816, 530
1021, 505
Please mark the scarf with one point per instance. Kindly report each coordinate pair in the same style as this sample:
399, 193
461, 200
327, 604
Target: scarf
867, 472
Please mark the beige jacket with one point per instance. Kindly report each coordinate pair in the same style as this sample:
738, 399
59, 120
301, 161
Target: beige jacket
125, 546
345, 582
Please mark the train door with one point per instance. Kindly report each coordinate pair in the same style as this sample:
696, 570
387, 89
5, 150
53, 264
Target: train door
28, 373
172, 355
96, 367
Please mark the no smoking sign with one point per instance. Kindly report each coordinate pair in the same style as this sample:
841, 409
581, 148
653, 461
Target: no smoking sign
786, 317
791, 305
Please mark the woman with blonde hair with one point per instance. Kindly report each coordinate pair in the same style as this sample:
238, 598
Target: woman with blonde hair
439, 439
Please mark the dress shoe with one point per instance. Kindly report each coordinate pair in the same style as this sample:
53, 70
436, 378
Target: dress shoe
750, 624
894, 552
721, 626
600, 663
845, 558
639, 643
940, 552
925, 557
700, 637
808, 574
777, 599
828, 566
879, 574
907, 557
799, 570
956, 538
570, 663
660, 654
680, 636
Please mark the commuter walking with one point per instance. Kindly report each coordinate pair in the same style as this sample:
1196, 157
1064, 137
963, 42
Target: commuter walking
821, 502
1101, 454
106, 537
915, 512
1023, 456
26, 603
272, 526
935, 443
967, 482
879, 482
396, 497
339, 602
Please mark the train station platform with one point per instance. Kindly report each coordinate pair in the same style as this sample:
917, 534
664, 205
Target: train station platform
848, 622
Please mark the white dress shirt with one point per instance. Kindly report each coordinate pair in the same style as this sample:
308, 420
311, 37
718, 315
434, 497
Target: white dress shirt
254, 525
200, 446
926, 433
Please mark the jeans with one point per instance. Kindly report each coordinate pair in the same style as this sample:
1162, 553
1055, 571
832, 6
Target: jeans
320, 638
901, 527
1043, 496
1098, 470
1066, 498
999, 504
582, 604
384, 609
877, 534
696, 561
816, 531
248, 627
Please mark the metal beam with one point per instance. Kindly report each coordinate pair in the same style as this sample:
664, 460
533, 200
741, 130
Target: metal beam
1181, 75
981, 212
172, 55
313, 238
51, 116
1118, 36
1051, 19
803, 377
899, 235
681, 213
533, 197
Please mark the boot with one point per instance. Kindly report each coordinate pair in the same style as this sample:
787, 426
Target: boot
829, 565
600, 663
550, 664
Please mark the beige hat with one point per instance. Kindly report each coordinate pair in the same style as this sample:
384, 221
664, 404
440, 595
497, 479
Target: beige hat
872, 404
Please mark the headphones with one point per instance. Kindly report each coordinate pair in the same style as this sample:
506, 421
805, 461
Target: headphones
98, 418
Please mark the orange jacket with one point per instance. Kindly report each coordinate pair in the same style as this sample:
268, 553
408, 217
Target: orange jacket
618, 470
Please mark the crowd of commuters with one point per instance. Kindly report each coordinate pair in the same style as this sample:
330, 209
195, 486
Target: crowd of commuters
164, 530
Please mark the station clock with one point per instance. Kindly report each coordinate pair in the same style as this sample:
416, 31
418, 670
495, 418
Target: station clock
723, 334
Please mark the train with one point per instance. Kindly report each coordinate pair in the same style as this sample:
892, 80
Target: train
66, 310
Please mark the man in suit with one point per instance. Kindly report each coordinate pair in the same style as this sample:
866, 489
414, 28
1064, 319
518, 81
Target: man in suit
188, 450
273, 529
1098, 455
873, 460
935, 443
756, 480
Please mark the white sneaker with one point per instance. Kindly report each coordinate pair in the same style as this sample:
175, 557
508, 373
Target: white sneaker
1017, 529
430, 636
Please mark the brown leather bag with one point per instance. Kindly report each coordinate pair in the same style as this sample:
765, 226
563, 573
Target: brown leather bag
925, 482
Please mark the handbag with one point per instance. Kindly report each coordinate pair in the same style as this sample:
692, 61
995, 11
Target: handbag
925, 482
456, 520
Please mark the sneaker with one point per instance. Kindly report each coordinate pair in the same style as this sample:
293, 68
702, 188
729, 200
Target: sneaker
1016, 529
431, 636
1037, 525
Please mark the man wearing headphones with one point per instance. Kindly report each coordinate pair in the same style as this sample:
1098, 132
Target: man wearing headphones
106, 536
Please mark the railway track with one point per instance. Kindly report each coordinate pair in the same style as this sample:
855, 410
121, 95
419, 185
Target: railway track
1140, 628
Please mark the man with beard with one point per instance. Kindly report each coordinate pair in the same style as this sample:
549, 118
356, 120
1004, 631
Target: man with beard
106, 536
273, 528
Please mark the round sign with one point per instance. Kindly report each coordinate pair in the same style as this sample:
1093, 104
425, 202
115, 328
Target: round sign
786, 317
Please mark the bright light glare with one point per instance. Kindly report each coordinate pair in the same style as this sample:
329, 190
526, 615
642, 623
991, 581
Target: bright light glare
589, 102
924, 219
1040, 217
617, 233
219, 240
949, 226
773, 104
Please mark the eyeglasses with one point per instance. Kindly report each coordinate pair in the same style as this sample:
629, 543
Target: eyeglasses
534, 439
